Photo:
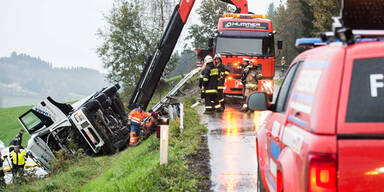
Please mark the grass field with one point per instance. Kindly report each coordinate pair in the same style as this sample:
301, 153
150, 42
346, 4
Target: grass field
10, 126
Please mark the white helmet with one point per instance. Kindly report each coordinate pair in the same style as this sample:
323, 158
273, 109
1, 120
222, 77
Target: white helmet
208, 59
218, 56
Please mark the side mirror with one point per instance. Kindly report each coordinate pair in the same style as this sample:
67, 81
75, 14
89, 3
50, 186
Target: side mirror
258, 101
279, 45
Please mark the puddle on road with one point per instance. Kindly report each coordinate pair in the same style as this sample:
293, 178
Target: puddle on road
232, 145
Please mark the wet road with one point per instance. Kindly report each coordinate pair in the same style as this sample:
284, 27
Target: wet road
231, 142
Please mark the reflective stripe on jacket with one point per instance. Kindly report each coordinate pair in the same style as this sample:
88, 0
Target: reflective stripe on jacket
211, 75
137, 116
223, 72
18, 158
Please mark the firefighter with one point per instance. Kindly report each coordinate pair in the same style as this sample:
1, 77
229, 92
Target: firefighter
18, 140
201, 77
250, 77
210, 80
18, 158
2, 181
223, 72
136, 117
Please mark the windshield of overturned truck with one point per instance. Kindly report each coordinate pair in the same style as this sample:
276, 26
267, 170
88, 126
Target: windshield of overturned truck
33, 121
245, 46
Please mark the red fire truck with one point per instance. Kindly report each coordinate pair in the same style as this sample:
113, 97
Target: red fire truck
250, 36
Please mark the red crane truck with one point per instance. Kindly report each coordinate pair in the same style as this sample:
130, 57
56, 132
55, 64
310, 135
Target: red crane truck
246, 36
156, 63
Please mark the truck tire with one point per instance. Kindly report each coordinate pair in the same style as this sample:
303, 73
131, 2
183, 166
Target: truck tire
260, 185
108, 147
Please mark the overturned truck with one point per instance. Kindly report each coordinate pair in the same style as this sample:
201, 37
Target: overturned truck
97, 124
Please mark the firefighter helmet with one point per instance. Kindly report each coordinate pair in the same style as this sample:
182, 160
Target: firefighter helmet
208, 59
247, 61
218, 56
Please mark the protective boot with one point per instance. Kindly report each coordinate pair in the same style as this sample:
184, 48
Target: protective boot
133, 138
244, 108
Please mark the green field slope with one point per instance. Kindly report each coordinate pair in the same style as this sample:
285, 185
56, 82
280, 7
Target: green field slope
10, 126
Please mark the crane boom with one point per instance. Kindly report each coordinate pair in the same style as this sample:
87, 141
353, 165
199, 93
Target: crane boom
155, 64
241, 5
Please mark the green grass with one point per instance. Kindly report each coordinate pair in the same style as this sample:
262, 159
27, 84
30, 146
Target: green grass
278, 81
10, 126
175, 78
134, 169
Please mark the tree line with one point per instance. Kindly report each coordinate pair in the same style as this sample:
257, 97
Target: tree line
301, 18
26, 76
134, 28
130, 36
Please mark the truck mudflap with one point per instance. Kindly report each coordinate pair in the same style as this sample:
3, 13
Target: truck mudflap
360, 163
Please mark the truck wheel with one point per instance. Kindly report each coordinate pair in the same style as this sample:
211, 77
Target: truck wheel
260, 185
108, 147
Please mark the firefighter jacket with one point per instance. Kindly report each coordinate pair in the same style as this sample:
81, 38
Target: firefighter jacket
223, 72
201, 77
250, 77
18, 140
210, 80
137, 115
19, 158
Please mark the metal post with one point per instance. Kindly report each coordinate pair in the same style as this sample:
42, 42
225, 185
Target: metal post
172, 112
164, 128
181, 117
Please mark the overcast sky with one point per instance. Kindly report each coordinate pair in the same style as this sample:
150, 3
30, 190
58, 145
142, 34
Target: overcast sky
63, 32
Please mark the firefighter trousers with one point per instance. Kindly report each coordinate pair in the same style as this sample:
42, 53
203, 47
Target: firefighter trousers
211, 102
220, 97
135, 127
2, 180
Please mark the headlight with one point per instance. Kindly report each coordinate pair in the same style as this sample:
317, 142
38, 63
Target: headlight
79, 116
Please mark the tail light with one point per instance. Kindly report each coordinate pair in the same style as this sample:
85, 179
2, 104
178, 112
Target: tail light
279, 181
322, 173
